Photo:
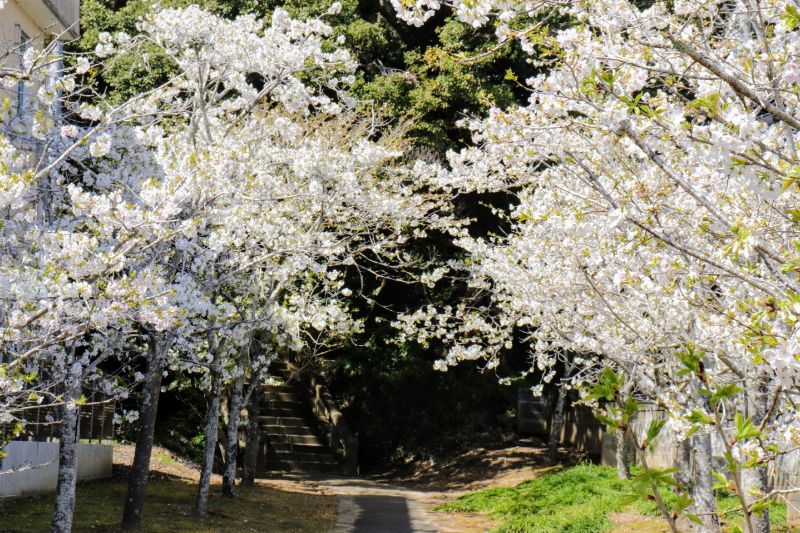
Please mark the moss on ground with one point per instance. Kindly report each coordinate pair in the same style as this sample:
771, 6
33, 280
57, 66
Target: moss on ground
169, 509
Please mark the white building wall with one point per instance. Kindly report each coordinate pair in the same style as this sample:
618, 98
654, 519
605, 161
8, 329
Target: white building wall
32, 467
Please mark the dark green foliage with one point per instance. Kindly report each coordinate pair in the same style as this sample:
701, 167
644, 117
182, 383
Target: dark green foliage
438, 84
403, 409
425, 75
179, 426
130, 75
398, 404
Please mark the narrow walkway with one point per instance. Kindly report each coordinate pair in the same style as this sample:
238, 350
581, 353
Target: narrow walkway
366, 507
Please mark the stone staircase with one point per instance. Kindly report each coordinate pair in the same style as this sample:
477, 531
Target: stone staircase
290, 437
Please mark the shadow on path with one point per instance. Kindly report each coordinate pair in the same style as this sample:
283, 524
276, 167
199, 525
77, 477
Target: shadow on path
379, 514
366, 506
383, 513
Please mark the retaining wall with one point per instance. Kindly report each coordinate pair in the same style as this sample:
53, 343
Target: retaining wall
582, 432
32, 467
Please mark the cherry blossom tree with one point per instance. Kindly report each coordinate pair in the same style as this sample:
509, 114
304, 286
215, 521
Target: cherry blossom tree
225, 71
203, 224
654, 228
99, 218
69, 286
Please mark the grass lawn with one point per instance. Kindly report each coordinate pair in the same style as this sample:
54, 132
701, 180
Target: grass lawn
581, 499
168, 509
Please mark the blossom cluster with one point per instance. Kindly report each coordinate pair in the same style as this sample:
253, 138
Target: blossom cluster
215, 213
654, 228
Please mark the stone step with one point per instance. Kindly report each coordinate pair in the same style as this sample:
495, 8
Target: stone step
284, 439
279, 370
283, 406
286, 386
277, 429
282, 412
284, 396
294, 466
302, 457
283, 421
316, 447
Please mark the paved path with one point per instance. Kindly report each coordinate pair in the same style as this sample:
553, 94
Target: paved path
367, 507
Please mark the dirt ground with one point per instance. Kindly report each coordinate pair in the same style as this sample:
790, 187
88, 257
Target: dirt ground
503, 466
447, 477
162, 463
427, 483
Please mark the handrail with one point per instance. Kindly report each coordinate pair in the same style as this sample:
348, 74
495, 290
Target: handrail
339, 435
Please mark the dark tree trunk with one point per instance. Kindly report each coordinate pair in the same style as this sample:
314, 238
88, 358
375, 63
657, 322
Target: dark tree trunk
134, 504
232, 440
252, 442
683, 462
557, 421
67, 452
211, 432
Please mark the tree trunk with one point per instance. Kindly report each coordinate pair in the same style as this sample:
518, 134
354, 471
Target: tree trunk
211, 432
252, 444
705, 505
623, 455
557, 421
755, 479
67, 452
132, 515
683, 463
232, 445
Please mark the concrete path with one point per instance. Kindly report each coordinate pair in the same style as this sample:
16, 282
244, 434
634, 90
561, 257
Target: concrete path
366, 507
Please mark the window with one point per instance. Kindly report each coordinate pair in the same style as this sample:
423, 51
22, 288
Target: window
22, 90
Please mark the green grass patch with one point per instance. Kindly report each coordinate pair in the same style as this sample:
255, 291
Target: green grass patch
576, 500
168, 508
165, 459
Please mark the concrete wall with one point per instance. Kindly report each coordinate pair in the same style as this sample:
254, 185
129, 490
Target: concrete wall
583, 433
662, 452
580, 430
32, 467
